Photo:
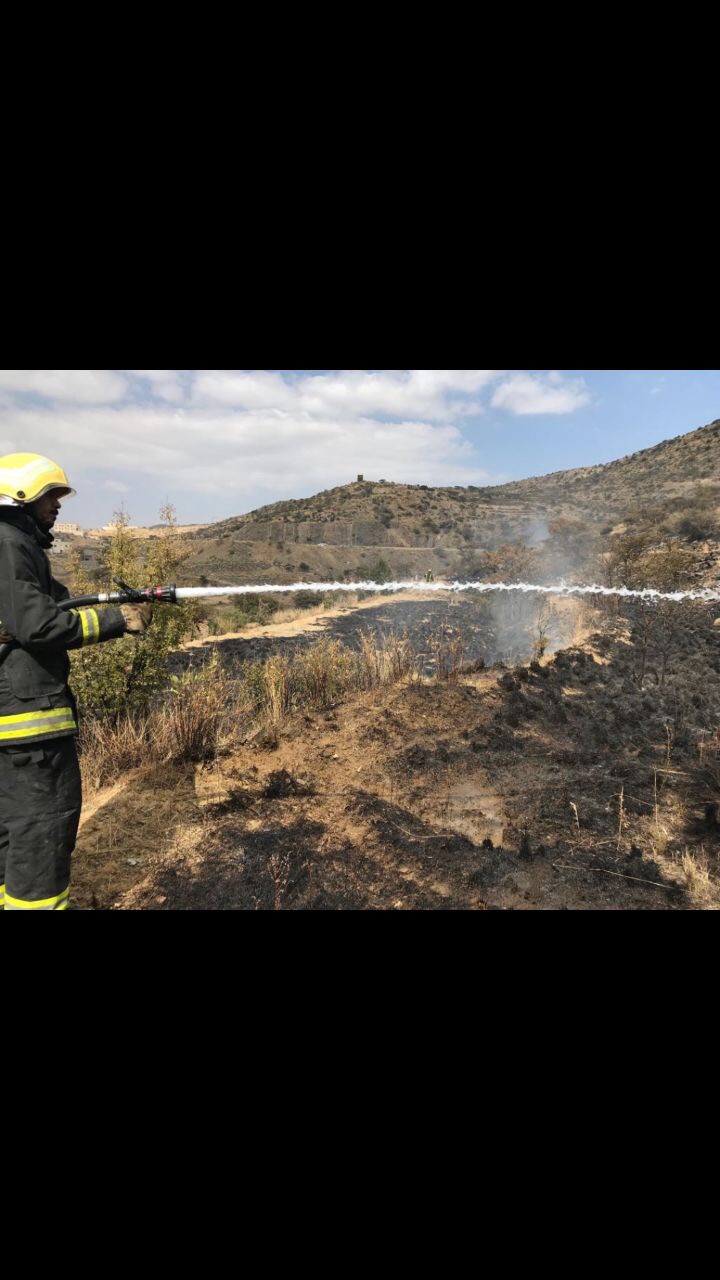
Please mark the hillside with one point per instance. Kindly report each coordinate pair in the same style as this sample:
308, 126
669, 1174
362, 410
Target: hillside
378, 529
670, 489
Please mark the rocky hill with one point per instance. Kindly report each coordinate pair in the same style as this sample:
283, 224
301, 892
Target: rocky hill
373, 528
413, 529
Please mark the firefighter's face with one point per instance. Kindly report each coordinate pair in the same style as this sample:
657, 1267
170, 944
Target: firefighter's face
45, 509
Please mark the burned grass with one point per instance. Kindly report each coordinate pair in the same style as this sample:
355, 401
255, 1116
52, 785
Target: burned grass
590, 781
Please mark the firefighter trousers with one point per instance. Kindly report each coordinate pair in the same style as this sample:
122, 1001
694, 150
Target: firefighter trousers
40, 801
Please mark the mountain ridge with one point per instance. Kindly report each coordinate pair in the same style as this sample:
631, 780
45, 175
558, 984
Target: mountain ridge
534, 491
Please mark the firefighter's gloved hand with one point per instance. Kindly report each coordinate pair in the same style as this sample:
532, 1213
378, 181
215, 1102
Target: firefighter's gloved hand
137, 617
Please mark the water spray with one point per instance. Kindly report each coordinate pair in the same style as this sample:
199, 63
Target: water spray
175, 595
482, 588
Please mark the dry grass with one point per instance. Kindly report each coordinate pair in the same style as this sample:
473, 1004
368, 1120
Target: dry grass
276, 679
191, 724
109, 748
321, 675
284, 616
699, 886
203, 710
447, 652
708, 749
383, 662
194, 723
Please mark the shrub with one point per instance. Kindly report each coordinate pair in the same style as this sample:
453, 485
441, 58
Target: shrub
124, 676
380, 571
698, 528
307, 599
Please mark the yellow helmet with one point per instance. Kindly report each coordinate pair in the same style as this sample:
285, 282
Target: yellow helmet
25, 477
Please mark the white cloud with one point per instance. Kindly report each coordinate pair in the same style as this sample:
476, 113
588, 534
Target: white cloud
237, 434
170, 391
259, 390
228, 452
525, 393
398, 393
94, 386
432, 395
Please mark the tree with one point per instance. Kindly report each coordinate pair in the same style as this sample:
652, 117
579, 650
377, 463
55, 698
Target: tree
625, 565
126, 675
510, 562
545, 619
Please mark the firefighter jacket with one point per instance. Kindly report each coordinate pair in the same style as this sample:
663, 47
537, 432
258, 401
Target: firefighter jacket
36, 704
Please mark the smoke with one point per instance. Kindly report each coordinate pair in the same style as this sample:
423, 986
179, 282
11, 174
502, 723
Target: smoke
536, 533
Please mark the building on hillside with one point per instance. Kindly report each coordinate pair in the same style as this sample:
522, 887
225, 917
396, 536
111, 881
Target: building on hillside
63, 527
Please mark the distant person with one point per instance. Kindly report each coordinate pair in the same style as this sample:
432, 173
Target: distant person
40, 791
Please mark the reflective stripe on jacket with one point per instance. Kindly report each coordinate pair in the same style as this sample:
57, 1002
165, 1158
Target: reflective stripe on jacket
35, 702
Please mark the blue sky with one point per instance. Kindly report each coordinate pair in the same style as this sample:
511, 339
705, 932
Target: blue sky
217, 443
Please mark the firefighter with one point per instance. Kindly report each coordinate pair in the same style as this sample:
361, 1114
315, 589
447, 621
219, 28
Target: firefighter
40, 793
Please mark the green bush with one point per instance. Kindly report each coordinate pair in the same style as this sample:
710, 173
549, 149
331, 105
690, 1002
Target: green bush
380, 571
698, 526
125, 676
307, 599
246, 612
255, 609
